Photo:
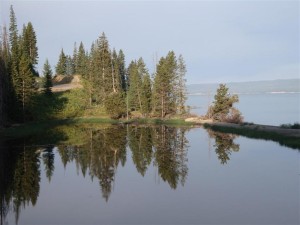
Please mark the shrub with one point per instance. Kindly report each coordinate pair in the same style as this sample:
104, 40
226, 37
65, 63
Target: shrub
234, 116
222, 109
291, 126
115, 105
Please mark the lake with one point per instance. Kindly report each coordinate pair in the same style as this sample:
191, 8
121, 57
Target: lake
269, 108
111, 174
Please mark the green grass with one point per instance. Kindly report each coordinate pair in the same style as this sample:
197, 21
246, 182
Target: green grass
157, 121
291, 142
32, 128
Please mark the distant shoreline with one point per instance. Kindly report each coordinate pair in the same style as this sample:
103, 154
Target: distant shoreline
252, 87
258, 93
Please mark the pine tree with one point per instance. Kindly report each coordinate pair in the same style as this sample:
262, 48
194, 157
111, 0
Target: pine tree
122, 70
47, 78
69, 65
25, 87
5, 79
135, 87
164, 97
13, 36
139, 86
180, 87
117, 87
29, 43
146, 95
81, 63
103, 83
3, 91
14, 60
106, 65
223, 103
75, 58
61, 67
91, 74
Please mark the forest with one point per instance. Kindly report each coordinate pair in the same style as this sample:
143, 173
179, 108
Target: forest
110, 87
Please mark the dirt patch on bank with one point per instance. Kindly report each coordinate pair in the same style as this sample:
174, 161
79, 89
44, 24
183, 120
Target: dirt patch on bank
66, 82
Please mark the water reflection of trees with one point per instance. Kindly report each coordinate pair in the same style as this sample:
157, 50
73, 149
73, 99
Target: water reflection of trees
19, 178
224, 145
97, 152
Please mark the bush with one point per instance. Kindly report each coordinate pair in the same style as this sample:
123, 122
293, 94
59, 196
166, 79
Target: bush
234, 116
115, 105
76, 103
222, 109
291, 126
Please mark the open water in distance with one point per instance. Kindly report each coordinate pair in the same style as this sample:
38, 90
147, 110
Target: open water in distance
267, 109
91, 174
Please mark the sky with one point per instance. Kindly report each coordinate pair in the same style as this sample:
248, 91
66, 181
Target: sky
221, 41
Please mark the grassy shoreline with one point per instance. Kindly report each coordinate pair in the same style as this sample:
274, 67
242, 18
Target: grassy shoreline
32, 128
286, 137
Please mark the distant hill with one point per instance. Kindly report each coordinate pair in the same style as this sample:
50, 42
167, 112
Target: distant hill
251, 87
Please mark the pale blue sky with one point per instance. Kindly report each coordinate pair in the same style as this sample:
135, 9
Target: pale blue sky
221, 41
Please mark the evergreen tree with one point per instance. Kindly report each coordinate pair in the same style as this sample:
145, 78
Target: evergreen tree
14, 63
138, 79
81, 63
164, 97
3, 91
25, 88
223, 103
75, 58
29, 43
146, 95
90, 78
69, 65
13, 37
5, 81
122, 70
61, 67
47, 78
135, 87
180, 87
106, 65
116, 72
103, 81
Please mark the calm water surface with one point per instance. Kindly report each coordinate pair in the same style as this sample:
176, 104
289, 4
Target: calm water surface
147, 175
268, 109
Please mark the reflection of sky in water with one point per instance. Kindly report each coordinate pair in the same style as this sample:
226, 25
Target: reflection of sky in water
268, 109
258, 185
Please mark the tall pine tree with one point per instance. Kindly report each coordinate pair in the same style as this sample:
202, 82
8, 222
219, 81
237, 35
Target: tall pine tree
180, 86
81, 62
30, 46
122, 70
5, 79
61, 67
164, 97
14, 63
47, 78
25, 88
